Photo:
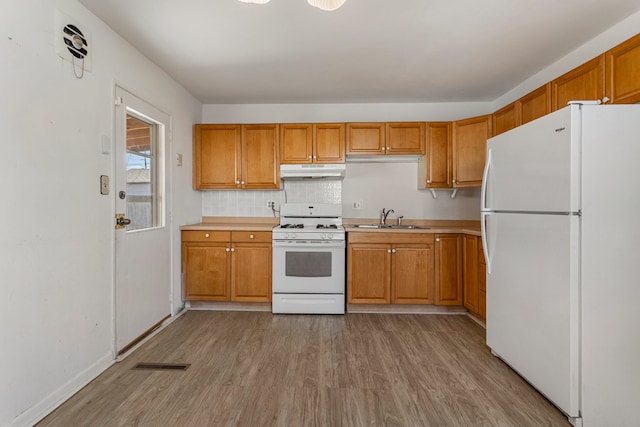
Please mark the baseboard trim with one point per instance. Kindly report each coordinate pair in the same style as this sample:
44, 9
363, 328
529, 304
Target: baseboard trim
229, 306
405, 309
43, 408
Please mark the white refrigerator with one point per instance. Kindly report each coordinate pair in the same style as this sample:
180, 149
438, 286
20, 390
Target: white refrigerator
560, 224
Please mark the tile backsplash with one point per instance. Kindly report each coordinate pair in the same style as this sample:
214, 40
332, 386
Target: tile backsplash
254, 202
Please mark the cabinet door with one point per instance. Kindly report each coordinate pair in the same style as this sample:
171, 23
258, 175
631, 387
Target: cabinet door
216, 154
405, 138
296, 143
260, 166
412, 274
329, 143
205, 271
623, 72
505, 119
369, 276
585, 82
435, 170
366, 138
535, 104
469, 147
251, 272
448, 267
470, 273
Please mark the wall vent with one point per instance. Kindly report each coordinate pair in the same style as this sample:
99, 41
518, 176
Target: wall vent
162, 366
72, 41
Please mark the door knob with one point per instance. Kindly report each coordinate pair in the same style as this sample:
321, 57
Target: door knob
121, 221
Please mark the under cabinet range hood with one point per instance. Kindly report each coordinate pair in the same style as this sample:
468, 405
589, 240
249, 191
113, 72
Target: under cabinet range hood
313, 171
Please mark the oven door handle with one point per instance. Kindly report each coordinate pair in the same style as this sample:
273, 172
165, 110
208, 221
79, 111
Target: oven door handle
308, 244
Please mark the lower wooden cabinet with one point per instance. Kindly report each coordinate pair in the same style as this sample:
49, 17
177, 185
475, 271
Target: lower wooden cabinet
448, 267
482, 282
226, 266
390, 268
474, 276
470, 273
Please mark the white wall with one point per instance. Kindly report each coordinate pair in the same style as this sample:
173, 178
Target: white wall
327, 113
56, 239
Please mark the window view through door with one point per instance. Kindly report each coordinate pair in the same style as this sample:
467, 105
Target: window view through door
143, 198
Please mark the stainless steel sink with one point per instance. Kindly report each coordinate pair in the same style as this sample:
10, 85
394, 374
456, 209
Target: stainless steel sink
408, 227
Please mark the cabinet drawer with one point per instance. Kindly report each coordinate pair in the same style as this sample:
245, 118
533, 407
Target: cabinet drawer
206, 236
251, 236
390, 238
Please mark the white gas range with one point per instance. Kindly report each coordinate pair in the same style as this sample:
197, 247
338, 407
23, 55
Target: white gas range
309, 259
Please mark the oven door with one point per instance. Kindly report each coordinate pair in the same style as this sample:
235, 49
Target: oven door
308, 267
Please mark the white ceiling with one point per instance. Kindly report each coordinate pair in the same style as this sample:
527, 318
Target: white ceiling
225, 51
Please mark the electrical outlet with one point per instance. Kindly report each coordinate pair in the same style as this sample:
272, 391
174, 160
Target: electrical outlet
357, 204
271, 205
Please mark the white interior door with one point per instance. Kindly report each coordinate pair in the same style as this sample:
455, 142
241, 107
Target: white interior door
142, 243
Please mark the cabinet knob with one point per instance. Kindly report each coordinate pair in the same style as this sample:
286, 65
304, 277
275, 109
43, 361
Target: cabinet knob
388, 148
310, 156
388, 251
242, 182
384, 148
206, 235
227, 249
428, 181
393, 251
233, 249
237, 182
251, 236
315, 157
437, 239
453, 180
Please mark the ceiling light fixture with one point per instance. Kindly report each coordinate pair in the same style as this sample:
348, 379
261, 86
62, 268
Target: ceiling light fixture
328, 5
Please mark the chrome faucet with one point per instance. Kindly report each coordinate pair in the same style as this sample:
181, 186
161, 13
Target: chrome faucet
383, 216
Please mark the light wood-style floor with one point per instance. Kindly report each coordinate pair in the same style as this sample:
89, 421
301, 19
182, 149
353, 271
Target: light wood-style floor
259, 369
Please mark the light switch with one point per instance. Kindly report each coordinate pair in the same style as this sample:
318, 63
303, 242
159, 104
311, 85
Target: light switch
178, 159
104, 184
105, 144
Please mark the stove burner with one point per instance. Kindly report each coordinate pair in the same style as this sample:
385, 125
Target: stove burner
292, 226
331, 226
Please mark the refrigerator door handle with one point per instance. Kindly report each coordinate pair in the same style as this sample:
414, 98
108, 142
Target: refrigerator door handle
483, 227
485, 178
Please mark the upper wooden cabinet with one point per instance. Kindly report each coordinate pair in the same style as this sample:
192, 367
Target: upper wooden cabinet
312, 143
585, 82
435, 171
366, 138
534, 105
623, 72
216, 156
236, 156
469, 150
505, 119
405, 138
385, 138
260, 166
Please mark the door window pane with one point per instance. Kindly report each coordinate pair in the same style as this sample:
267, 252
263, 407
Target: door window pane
142, 207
